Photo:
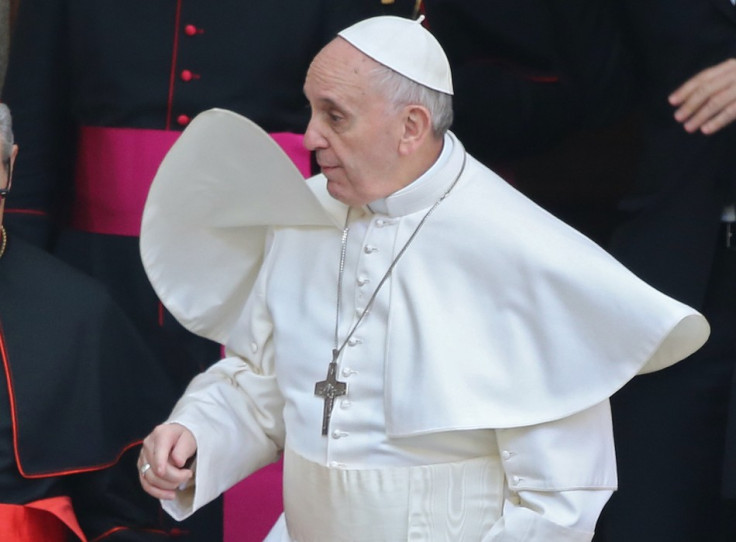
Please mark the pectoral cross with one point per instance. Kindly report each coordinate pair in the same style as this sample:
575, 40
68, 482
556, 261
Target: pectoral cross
329, 389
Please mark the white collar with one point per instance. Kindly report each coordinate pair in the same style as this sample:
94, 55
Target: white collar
422, 192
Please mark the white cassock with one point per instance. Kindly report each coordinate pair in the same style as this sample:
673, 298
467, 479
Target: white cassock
477, 384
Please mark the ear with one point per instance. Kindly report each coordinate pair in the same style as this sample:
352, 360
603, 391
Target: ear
417, 127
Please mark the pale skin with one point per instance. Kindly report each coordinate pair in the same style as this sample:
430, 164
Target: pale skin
167, 449
367, 149
4, 173
707, 101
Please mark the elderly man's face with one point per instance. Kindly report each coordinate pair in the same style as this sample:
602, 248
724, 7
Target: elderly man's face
6, 166
353, 129
4, 174
3, 165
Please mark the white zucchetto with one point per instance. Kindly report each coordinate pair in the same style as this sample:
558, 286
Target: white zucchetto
405, 46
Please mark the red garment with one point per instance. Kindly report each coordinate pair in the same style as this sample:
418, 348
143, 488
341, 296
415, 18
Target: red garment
50, 520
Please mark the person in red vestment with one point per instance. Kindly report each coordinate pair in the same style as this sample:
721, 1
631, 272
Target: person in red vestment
77, 394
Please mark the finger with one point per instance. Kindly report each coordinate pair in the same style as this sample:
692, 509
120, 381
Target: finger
141, 460
722, 72
143, 465
687, 89
171, 479
184, 449
157, 491
162, 442
716, 112
703, 104
706, 100
153, 441
723, 118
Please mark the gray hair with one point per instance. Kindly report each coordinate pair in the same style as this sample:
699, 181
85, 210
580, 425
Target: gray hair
403, 91
6, 132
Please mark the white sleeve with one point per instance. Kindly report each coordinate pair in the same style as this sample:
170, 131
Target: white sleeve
235, 411
237, 431
559, 476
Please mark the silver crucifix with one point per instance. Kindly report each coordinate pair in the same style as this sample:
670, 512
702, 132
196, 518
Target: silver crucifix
329, 389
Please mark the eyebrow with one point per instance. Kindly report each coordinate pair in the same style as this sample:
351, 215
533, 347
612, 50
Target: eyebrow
329, 102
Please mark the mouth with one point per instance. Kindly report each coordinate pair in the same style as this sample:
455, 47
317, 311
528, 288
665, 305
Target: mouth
326, 168
324, 165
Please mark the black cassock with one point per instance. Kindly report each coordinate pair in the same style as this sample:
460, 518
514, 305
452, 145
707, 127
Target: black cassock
79, 392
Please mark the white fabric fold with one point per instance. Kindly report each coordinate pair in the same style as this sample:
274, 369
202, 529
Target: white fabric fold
508, 317
206, 217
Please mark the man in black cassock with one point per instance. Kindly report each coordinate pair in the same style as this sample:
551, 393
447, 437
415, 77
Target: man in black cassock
78, 392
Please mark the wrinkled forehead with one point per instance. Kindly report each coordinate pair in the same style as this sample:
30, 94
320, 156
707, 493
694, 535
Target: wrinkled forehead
339, 62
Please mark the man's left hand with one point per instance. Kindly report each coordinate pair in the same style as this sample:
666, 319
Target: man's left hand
707, 101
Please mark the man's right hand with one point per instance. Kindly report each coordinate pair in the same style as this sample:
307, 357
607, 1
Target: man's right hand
167, 450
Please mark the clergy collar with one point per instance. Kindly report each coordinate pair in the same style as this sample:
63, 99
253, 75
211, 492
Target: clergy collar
425, 190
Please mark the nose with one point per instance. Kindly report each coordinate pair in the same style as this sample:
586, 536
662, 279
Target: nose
313, 139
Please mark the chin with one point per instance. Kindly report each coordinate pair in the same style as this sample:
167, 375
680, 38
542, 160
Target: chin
333, 190
337, 194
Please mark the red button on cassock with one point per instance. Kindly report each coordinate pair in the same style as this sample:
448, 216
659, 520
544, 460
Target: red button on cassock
183, 120
190, 30
186, 75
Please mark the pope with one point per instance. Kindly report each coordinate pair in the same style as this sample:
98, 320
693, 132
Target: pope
431, 353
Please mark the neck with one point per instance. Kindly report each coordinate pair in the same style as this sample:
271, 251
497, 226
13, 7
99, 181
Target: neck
422, 160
